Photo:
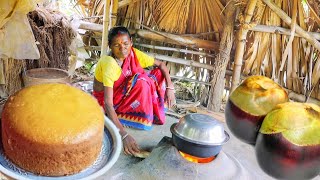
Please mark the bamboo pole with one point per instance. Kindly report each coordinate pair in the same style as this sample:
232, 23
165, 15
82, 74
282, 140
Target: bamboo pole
98, 48
280, 30
301, 98
189, 80
2, 74
180, 61
124, 3
312, 40
186, 62
114, 16
174, 49
176, 39
201, 34
220, 64
106, 21
90, 26
241, 42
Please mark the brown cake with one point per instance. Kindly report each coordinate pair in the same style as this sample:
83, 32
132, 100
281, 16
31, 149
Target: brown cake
52, 129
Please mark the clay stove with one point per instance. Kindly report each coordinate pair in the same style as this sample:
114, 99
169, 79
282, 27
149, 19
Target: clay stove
195, 159
166, 163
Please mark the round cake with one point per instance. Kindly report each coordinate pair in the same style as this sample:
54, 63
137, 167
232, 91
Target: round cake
52, 129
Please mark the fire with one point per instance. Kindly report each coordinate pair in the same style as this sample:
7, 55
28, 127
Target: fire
195, 159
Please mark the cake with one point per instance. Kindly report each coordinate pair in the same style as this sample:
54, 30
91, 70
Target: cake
52, 129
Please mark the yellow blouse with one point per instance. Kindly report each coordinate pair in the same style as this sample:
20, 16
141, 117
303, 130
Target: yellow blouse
108, 70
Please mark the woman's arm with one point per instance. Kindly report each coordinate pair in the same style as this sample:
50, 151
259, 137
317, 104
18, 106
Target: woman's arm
170, 88
108, 104
130, 146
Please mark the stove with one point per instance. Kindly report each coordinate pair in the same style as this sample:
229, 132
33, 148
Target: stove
166, 163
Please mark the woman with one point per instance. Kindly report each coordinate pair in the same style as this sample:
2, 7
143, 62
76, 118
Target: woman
129, 95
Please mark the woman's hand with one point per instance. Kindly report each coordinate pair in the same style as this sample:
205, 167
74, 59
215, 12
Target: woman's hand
130, 146
170, 97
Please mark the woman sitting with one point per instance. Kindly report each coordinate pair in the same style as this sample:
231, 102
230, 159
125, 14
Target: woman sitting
129, 95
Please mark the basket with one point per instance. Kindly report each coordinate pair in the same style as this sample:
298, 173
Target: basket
45, 75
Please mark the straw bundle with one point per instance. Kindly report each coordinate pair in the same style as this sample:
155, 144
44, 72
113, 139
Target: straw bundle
54, 33
171, 16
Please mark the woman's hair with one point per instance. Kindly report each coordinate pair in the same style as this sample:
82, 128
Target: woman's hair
115, 31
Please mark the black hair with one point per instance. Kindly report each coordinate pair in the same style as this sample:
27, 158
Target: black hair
113, 32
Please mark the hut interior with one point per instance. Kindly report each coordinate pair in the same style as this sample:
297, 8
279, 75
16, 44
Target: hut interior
209, 46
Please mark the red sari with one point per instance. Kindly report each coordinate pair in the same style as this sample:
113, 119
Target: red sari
138, 96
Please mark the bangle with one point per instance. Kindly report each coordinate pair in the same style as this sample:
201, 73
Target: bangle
124, 136
170, 88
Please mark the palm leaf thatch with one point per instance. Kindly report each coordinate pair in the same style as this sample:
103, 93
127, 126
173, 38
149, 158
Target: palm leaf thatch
288, 58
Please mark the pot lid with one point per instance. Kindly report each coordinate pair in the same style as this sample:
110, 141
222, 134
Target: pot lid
200, 129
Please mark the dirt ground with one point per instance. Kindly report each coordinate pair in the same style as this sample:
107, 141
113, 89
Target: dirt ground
148, 139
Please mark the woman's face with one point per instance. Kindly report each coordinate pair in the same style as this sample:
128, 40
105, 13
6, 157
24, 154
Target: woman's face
121, 46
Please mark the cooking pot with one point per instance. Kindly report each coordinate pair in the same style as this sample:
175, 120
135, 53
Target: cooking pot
199, 135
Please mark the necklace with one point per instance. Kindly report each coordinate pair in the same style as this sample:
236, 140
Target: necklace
119, 62
128, 72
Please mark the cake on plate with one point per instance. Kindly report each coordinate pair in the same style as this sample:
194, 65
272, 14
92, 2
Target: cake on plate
52, 129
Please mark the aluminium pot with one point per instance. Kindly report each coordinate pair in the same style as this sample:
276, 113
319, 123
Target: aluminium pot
199, 135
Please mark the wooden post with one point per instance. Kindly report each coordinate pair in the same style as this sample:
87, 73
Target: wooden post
106, 21
241, 42
220, 64
312, 40
126, 2
114, 16
176, 39
191, 63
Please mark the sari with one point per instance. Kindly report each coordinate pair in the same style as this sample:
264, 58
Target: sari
138, 95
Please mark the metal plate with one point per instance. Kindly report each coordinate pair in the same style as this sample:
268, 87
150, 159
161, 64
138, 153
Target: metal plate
110, 152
